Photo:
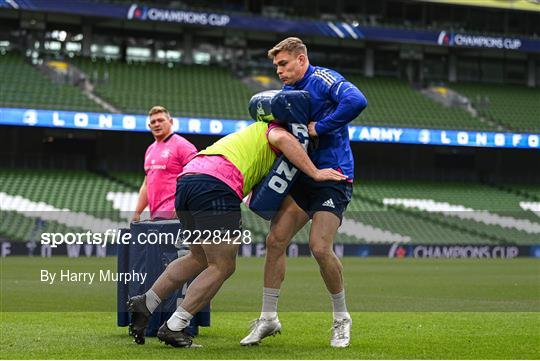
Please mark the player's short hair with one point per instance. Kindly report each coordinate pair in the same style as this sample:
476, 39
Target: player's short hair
291, 45
158, 109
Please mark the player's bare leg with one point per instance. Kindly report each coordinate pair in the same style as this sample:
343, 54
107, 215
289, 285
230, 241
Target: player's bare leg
221, 265
287, 222
176, 274
221, 260
180, 271
321, 239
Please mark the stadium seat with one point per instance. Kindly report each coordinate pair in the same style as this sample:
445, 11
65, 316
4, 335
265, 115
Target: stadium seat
83, 193
213, 92
514, 106
379, 212
392, 102
185, 90
487, 215
23, 86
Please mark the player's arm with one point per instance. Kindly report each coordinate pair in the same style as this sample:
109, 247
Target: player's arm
351, 102
293, 150
142, 202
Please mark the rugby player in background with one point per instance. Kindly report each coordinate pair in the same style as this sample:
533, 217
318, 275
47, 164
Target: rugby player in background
163, 161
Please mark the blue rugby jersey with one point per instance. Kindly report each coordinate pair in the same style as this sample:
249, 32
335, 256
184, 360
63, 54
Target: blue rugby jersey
334, 103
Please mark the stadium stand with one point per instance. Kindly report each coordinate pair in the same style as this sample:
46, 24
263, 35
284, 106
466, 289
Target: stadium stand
513, 106
77, 191
532, 190
211, 91
472, 208
21, 227
394, 102
129, 178
380, 211
186, 90
23, 86
421, 230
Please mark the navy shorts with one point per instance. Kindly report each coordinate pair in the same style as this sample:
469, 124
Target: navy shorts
203, 202
330, 196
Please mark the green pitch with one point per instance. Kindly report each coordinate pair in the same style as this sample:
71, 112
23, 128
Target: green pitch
402, 309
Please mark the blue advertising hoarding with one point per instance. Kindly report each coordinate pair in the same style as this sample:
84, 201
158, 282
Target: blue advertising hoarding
206, 126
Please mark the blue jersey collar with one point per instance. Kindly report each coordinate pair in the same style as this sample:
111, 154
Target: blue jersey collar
302, 82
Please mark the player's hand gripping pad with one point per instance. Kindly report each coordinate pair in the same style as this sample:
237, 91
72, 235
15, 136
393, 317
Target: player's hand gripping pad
291, 109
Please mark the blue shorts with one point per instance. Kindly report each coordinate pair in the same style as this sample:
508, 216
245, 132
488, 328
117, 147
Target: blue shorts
330, 196
203, 202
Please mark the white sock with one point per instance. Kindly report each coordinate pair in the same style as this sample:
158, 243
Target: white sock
152, 300
340, 308
270, 300
179, 320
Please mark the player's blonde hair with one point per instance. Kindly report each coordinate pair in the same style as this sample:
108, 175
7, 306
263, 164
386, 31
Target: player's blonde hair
291, 45
158, 109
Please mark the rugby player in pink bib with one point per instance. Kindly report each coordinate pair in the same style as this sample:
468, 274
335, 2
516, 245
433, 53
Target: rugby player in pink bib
163, 161
208, 196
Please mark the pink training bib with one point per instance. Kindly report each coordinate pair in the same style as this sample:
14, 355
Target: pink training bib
221, 168
218, 167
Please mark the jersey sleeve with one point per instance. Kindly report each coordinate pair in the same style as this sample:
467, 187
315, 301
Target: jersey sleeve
350, 103
185, 151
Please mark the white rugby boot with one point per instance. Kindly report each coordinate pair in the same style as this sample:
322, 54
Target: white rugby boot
341, 333
261, 328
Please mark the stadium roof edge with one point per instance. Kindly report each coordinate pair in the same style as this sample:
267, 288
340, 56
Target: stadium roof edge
331, 29
519, 5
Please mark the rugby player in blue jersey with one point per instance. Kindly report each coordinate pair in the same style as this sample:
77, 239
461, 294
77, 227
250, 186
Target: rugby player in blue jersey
334, 103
